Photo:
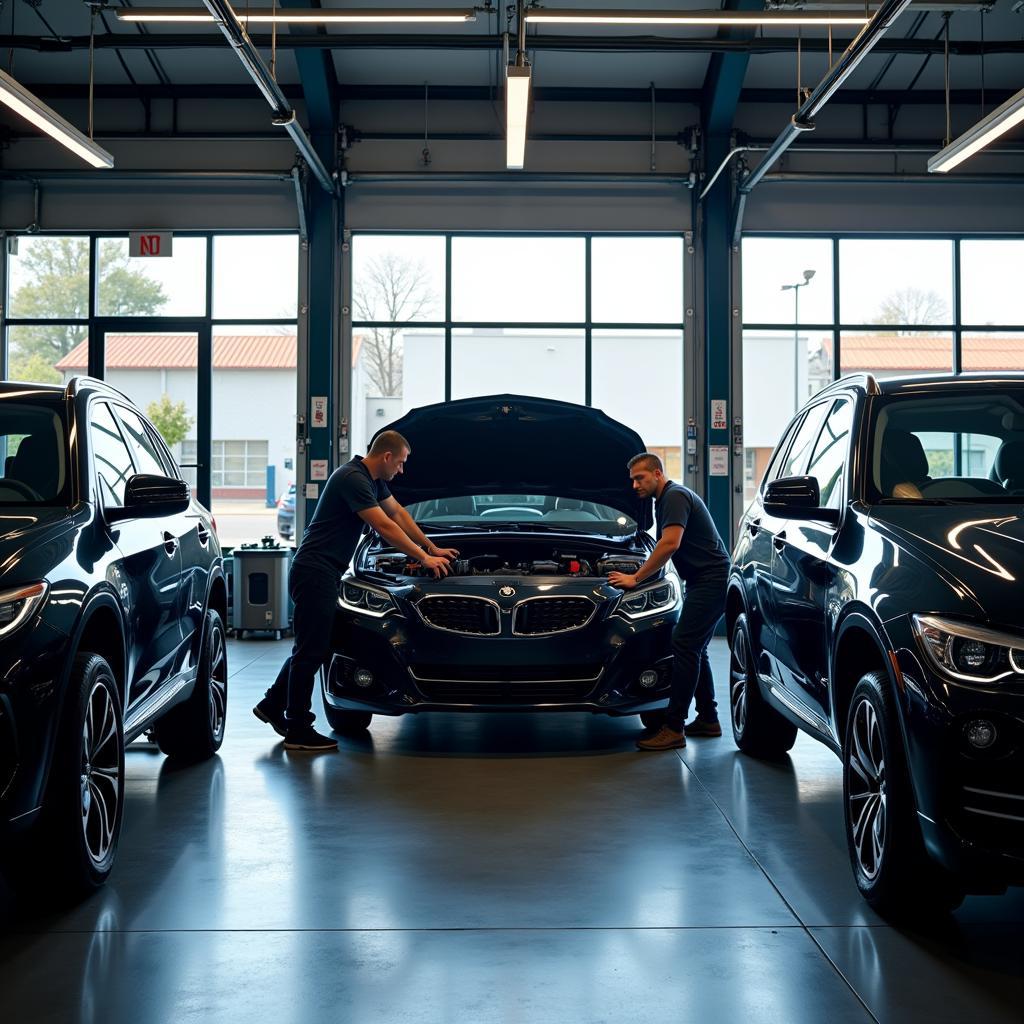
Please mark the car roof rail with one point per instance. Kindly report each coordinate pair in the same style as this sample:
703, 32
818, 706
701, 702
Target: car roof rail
83, 380
865, 380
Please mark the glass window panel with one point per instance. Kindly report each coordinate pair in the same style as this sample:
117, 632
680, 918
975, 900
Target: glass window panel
993, 350
152, 286
255, 276
233, 448
658, 419
497, 361
110, 456
49, 278
770, 264
398, 278
896, 353
637, 280
516, 279
902, 281
393, 371
830, 451
796, 457
234, 478
990, 282
50, 354
144, 451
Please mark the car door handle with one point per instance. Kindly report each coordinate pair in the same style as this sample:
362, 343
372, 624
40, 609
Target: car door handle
170, 544
779, 541
204, 534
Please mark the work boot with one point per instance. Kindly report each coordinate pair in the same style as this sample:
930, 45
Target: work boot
305, 737
664, 739
709, 727
267, 711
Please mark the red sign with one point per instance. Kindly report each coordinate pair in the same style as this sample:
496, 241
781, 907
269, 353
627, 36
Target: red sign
150, 243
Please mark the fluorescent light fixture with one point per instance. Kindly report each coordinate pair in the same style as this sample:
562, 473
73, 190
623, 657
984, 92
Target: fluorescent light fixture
548, 16
517, 104
35, 111
987, 130
300, 16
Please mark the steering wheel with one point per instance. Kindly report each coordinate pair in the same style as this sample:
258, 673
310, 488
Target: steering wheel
21, 488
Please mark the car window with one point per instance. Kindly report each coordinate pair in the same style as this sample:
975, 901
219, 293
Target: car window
796, 457
779, 455
828, 459
113, 462
33, 454
143, 448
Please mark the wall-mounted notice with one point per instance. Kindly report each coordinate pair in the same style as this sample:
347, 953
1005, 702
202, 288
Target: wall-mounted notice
318, 469
719, 414
318, 411
718, 460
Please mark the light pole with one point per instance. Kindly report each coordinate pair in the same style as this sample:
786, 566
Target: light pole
808, 274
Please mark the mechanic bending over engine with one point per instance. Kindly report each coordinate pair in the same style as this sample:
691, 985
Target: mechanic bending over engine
686, 535
356, 494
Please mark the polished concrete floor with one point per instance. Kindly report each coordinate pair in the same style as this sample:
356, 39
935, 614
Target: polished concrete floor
478, 868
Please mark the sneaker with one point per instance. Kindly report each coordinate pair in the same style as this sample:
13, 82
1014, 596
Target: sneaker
664, 739
267, 711
305, 737
703, 727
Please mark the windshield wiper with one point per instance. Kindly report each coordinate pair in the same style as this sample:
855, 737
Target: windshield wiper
915, 501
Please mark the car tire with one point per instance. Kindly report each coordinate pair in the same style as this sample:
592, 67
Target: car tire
892, 869
194, 729
344, 721
652, 719
72, 850
757, 728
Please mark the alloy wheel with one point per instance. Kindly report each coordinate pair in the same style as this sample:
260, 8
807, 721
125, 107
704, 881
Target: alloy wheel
866, 790
218, 683
739, 680
100, 772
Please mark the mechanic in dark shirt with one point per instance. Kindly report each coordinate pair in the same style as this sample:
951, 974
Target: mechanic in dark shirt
686, 535
357, 494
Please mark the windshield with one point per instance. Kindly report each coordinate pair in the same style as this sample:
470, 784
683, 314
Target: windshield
33, 454
950, 447
487, 511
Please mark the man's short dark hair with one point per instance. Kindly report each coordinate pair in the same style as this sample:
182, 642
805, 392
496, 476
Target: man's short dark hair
389, 441
646, 460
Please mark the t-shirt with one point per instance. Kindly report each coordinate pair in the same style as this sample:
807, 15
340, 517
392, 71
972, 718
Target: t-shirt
701, 552
333, 532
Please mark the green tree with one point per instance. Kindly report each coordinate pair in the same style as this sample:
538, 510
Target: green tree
171, 419
56, 271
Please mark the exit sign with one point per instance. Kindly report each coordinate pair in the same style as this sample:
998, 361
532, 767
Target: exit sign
150, 243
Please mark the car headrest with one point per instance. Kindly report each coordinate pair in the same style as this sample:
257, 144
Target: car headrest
37, 463
903, 459
1010, 461
568, 504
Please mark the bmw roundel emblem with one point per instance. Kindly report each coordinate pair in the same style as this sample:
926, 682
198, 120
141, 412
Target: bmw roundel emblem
507, 591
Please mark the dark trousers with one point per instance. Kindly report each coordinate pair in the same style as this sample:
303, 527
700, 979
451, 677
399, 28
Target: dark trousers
691, 671
315, 595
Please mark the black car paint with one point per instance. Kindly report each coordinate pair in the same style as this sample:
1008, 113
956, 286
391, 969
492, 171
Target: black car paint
135, 590
508, 444
825, 601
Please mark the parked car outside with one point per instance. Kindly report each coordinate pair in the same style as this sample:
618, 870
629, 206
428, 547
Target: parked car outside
112, 610
874, 604
536, 497
286, 513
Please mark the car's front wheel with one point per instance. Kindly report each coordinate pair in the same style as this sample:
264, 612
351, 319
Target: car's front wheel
757, 727
345, 721
194, 729
893, 871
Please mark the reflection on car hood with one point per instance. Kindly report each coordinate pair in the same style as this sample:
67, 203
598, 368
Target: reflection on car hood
22, 530
980, 547
509, 444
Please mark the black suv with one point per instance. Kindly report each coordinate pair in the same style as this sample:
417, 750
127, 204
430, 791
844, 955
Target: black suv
112, 606
873, 604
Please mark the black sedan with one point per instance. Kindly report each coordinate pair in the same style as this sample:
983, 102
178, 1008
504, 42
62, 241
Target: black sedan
874, 604
536, 497
112, 606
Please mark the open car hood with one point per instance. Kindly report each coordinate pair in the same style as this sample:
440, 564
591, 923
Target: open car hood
510, 444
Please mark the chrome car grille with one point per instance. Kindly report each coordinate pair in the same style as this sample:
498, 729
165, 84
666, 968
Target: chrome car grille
541, 616
471, 616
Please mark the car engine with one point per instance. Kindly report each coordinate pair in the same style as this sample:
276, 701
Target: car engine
558, 563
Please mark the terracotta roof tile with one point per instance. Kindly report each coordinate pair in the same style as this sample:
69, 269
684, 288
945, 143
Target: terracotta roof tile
179, 351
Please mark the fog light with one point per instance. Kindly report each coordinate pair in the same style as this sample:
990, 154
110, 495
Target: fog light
364, 677
648, 678
980, 734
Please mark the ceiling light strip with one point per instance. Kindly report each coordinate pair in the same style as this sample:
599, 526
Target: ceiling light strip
517, 106
976, 138
549, 16
301, 16
46, 119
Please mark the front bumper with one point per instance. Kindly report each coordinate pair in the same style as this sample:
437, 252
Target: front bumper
414, 668
970, 803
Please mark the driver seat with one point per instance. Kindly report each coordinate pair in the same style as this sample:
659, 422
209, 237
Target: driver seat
1009, 466
37, 464
904, 467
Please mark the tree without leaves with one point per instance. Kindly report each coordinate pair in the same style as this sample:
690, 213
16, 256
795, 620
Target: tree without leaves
393, 290
171, 419
910, 307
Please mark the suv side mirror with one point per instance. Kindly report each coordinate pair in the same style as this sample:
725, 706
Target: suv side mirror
149, 496
797, 497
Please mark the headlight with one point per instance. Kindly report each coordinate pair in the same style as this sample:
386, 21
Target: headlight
17, 605
357, 597
971, 654
651, 600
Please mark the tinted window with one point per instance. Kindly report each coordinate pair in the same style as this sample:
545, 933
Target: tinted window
142, 446
33, 455
830, 451
113, 463
778, 458
572, 514
796, 458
